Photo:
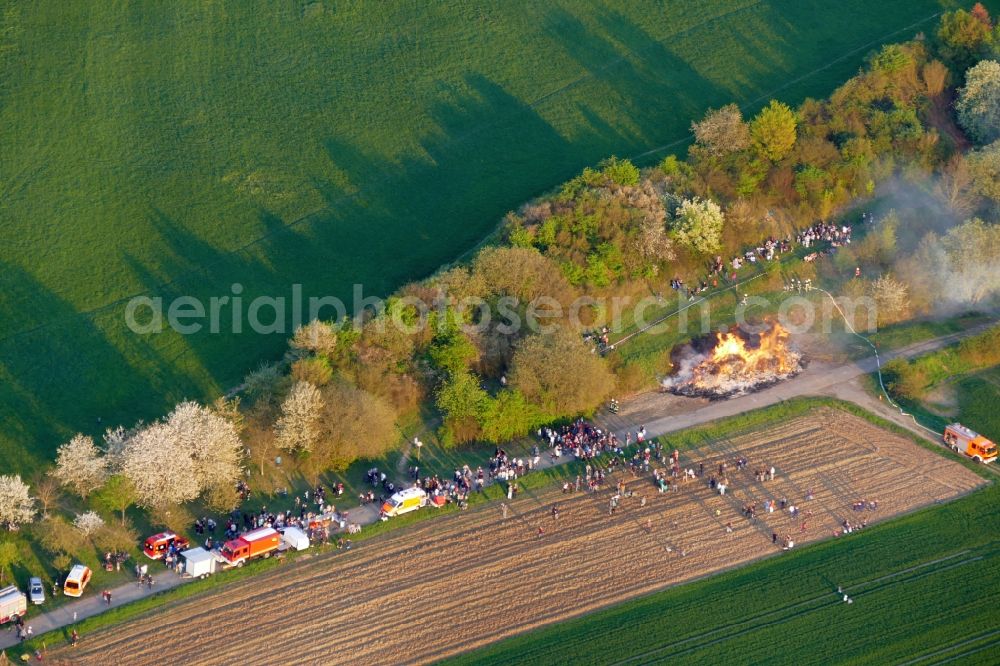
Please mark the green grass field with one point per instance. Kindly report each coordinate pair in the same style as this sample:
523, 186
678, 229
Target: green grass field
923, 590
975, 396
177, 149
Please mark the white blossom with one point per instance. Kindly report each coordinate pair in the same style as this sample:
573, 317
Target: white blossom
17, 507
161, 473
698, 224
298, 426
175, 460
80, 466
317, 337
114, 442
978, 104
88, 522
211, 442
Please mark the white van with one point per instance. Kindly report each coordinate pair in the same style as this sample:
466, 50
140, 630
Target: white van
404, 501
76, 581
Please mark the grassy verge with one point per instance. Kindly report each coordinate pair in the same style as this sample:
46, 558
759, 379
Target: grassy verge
959, 382
903, 335
975, 396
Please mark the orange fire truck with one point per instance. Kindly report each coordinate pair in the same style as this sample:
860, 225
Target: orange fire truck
258, 543
969, 442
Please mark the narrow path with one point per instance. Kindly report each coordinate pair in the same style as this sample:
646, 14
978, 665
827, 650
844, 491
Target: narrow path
841, 381
663, 413
91, 604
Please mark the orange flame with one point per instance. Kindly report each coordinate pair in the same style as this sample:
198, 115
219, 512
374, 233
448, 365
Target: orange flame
770, 355
734, 367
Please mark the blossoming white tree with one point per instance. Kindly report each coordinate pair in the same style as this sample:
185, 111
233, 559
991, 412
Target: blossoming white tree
698, 224
210, 440
114, 442
161, 474
88, 522
978, 102
173, 461
80, 466
722, 131
316, 337
17, 507
298, 426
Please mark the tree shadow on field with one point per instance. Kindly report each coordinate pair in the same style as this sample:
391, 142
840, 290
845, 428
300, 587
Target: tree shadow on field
56, 374
415, 207
653, 87
214, 278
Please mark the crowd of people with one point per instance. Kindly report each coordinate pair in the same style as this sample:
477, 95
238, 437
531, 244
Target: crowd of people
586, 442
602, 452
582, 439
769, 250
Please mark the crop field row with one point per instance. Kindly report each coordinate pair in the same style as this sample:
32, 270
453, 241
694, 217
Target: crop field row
476, 577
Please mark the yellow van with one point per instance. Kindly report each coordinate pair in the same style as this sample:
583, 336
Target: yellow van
404, 501
76, 581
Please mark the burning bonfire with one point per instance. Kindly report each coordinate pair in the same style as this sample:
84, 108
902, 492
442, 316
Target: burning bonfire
731, 364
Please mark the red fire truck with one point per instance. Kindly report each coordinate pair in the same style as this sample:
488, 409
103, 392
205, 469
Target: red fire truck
156, 546
257, 543
13, 603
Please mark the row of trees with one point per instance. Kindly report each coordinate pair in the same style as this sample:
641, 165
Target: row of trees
614, 225
193, 452
611, 225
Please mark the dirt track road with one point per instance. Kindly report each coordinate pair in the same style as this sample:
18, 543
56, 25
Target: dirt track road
448, 585
663, 413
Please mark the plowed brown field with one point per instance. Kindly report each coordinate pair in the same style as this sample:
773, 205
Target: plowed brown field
457, 582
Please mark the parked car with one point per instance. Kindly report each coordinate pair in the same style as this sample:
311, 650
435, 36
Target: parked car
36, 591
76, 581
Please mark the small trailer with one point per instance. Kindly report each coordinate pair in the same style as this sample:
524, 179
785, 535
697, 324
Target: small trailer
294, 539
199, 563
